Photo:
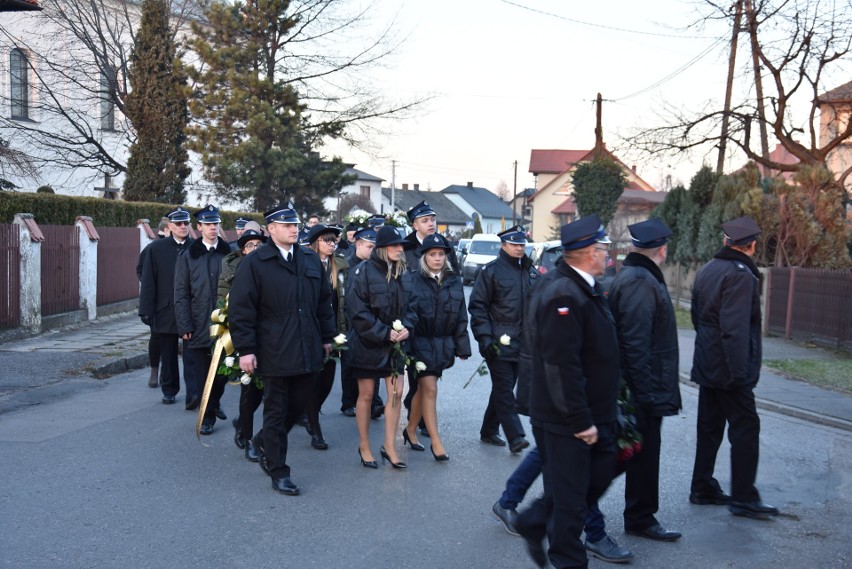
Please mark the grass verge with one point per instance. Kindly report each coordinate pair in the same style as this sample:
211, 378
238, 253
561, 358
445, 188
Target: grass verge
836, 374
684, 320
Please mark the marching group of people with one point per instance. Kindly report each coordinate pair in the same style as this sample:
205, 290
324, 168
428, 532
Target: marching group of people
560, 339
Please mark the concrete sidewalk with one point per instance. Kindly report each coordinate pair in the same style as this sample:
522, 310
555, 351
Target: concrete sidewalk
41, 367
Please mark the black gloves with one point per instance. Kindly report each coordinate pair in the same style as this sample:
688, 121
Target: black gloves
146, 320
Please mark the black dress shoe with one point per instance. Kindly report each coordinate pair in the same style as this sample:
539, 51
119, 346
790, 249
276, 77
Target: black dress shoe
607, 549
318, 442
192, 403
718, 499
508, 516
238, 434
168, 399
221, 414
377, 411
656, 532
251, 453
349, 411
285, 486
756, 509
206, 429
518, 444
495, 440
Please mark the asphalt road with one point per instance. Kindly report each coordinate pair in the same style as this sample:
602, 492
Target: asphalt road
106, 476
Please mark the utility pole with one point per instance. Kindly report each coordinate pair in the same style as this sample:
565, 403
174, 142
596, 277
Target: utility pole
393, 185
732, 59
515, 195
758, 84
598, 128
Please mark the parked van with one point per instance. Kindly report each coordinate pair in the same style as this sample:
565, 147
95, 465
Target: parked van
482, 249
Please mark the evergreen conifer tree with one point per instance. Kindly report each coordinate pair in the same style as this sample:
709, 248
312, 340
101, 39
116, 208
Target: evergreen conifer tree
157, 108
597, 186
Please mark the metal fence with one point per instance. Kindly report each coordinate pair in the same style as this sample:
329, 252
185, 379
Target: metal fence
811, 305
60, 269
118, 254
10, 276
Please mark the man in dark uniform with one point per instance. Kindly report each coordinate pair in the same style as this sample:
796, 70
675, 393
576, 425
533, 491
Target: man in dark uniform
196, 281
282, 324
365, 242
573, 392
647, 339
153, 341
157, 298
726, 366
239, 227
497, 306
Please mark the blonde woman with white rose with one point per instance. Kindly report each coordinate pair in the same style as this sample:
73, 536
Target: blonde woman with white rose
380, 320
439, 337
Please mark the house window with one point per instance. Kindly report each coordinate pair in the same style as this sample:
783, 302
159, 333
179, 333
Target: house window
107, 104
365, 191
20, 83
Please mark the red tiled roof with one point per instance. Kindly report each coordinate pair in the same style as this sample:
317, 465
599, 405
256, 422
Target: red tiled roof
554, 161
842, 94
782, 156
568, 206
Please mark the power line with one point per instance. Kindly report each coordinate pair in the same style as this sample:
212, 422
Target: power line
594, 25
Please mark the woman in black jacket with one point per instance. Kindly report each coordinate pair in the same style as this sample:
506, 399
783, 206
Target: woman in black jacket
377, 307
440, 335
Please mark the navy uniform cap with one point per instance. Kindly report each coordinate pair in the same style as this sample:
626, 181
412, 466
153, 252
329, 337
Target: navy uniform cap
583, 232
281, 214
434, 241
376, 220
741, 231
515, 235
240, 223
649, 234
209, 214
420, 210
367, 234
178, 214
387, 235
320, 229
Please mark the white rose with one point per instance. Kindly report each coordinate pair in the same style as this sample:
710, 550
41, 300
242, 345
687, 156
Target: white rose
229, 361
340, 339
505, 339
397, 325
420, 366
245, 379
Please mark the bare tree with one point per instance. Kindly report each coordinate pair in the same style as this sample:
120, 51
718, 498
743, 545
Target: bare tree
502, 191
801, 46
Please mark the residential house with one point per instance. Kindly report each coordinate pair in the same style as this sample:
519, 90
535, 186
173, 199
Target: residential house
553, 201
494, 214
835, 113
520, 205
451, 219
365, 185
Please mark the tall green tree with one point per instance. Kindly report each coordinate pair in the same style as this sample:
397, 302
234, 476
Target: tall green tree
670, 212
157, 108
255, 136
597, 186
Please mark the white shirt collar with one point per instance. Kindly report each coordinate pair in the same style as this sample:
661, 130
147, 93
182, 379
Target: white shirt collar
284, 251
586, 276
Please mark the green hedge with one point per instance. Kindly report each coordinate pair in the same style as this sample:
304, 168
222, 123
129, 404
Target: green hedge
51, 209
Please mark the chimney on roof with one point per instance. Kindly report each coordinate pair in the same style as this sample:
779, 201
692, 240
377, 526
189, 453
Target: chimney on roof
470, 184
416, 187
405, 186
633, 168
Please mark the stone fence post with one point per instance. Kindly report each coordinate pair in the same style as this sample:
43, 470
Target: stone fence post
30, 244
88, 266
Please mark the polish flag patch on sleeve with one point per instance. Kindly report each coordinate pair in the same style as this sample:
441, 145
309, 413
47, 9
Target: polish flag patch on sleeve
563, 311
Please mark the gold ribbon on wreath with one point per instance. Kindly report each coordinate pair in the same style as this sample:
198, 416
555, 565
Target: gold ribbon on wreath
219, 331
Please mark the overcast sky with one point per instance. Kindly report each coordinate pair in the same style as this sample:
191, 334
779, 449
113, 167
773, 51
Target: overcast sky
510, 76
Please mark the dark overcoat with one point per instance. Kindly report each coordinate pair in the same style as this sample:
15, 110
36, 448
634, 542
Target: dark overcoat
647, 335
281, 311
196, 279
157, 290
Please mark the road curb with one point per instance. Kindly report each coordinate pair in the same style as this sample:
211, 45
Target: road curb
121, 365
788, 410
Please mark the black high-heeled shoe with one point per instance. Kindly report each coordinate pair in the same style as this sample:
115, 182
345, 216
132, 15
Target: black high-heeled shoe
439, 457
367, 464
407, 439
386, 457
